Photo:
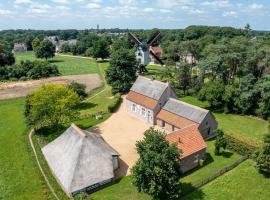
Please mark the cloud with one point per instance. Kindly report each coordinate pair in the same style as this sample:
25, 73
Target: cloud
175, 3
149, 10
217, 4
5, 12
127, 2
255, 6
230, 14
165, 11
37, 8
93, 5
61, 1
62, 8
22, 1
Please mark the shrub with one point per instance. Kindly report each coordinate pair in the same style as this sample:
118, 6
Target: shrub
114, 106
78, 88
241, 145
28, 70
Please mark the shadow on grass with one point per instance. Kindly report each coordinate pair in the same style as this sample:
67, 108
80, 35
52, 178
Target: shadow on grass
226, 154
187, 188
266, 175
86, 105
208, 159
55, 61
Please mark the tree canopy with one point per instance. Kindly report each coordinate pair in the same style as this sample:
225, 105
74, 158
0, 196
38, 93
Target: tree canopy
51, 106
121, 72
157, 170
43, 48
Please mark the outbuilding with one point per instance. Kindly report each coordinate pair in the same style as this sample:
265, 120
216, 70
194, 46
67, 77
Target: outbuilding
81, 160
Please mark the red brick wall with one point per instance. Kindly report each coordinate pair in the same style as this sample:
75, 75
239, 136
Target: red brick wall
188, 162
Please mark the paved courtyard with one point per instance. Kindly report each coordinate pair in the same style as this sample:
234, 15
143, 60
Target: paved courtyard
122, 131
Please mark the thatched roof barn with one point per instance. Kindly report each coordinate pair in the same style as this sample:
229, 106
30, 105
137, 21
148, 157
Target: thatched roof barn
81, 160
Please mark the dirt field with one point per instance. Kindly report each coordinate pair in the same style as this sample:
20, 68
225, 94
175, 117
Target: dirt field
122, 131
11, 90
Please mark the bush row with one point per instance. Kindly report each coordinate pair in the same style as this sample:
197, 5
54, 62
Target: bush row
242, 145
28, 70
114, 106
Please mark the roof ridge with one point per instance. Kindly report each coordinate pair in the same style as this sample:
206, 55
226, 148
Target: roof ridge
182, 129
74, 170
188, 104
164, 83
78, 130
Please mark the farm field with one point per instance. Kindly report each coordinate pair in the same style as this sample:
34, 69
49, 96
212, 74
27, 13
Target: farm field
66, 65
243, 182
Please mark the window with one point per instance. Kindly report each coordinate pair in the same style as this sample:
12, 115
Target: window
196, 158
143, 112
206, 123
133, 107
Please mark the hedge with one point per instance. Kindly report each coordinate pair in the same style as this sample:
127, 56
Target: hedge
114, 106
241, 144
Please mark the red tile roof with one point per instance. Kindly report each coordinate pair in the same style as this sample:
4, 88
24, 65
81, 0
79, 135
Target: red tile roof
142, 100
174, 119
188, 139
157, 50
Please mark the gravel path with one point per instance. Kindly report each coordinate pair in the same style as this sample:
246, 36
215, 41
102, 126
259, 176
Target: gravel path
11, 90
122, 131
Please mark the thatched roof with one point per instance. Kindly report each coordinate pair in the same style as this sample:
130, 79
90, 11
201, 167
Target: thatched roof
80, 159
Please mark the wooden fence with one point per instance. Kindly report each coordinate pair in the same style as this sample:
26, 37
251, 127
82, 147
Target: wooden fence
214, 176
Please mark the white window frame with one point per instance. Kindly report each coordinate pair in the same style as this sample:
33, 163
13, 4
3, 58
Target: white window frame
134, 107
143, 112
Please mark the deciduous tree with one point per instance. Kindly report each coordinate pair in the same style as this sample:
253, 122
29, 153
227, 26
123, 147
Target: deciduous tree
220, 141
157, 170
52, 105
121, 72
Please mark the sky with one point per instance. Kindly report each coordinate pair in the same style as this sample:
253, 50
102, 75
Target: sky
146, 14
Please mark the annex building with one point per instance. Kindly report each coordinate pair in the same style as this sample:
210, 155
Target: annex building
156, 103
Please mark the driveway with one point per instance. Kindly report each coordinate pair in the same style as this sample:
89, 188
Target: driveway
122, 131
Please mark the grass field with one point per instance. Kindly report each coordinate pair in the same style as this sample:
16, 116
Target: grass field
249, 126
66, 65
19, 176
243, 182
125, 190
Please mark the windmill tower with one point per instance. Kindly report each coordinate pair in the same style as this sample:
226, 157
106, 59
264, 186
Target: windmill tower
144, 50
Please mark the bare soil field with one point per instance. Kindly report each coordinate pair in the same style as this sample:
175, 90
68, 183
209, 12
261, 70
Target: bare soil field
9, 90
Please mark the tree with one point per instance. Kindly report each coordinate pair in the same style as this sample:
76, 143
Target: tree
220, 141
263, 156
231, 98
157, 170
78, 88
263, 86
213, 92
6, 56
184, 76
52, 105
100, 48
121, 72
43, 48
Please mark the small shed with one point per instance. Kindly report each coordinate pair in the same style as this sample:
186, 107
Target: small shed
81, 160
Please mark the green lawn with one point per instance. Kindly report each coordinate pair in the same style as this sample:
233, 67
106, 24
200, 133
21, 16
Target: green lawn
125, 190
243, 182
19, 175
212, 164
249, 126
66, 65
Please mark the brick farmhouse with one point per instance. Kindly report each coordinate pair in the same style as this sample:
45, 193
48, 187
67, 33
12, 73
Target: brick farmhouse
156, 103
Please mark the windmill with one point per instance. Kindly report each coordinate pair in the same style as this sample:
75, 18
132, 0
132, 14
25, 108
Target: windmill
144, 50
